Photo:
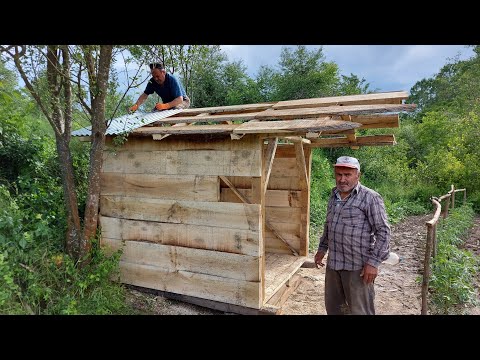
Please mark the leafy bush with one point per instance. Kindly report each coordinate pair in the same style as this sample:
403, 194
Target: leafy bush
452, 282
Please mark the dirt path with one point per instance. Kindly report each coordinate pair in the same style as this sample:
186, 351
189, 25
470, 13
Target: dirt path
398, 287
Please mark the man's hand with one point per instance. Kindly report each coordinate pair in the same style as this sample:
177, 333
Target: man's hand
133, 108
369, 273
318, 259
160, 106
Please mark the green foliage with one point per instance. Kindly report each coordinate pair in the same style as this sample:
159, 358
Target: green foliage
305, 74
38, 278
452, 282
322, 182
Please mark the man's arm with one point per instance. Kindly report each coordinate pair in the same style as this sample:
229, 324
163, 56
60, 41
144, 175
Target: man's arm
140, 101
377, 216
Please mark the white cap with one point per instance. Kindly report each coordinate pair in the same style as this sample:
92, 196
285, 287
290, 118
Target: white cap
348, 161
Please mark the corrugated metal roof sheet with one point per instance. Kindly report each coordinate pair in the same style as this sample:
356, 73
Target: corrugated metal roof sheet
129, 122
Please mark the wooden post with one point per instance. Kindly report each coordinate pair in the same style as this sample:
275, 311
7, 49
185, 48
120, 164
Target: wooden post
453, 196
434, 240
426, 269
447, 205
464, 196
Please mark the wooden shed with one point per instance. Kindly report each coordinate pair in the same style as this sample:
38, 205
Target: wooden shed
212, 205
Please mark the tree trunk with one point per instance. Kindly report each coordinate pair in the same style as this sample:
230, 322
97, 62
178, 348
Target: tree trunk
98, 90
73, 235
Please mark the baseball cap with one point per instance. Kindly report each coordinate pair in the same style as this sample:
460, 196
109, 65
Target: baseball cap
348, 161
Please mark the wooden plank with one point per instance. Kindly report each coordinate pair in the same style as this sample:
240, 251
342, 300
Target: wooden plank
217, 118
178, 258
275, 182
305, 201
235, 241
238, 292
289, 232
164, 136
195, 162
277, 198
274, 211
186, 187
269, 156
135, 143
306, 113
186, 129
228, 109
285, 150
368, 140
217, 214
377, 121
284, 167
267, 309
281, 296
294, 126
279, 268
395, 97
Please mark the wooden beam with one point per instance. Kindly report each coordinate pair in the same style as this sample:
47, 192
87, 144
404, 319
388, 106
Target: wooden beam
228, 109
161, 137
369, 140
395, 97
269, 156
306, 113
297, 139
294, 126
267, 223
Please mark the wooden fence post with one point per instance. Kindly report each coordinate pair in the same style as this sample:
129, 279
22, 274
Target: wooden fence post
447, 205
434, 240
426, 270
453, 196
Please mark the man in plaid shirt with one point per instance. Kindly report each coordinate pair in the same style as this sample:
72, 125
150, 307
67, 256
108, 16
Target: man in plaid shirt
357, 237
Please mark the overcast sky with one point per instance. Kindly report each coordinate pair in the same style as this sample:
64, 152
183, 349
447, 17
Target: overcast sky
385, 67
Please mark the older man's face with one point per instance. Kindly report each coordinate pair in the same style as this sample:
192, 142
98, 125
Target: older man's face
346, 178
158, 75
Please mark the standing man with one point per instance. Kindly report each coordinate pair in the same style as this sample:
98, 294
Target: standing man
357, 237
167, 87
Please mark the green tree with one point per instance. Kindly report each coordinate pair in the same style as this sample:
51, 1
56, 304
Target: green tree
55, 76
305, 74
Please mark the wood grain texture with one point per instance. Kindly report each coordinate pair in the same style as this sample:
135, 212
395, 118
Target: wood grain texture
236, 241
217, 214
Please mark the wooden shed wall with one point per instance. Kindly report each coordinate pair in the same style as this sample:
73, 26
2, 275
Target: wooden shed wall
162, 200
287, 200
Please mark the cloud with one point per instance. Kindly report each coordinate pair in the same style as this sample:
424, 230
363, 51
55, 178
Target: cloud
385, 67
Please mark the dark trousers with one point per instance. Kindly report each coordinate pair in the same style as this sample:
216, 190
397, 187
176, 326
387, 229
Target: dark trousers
346, 293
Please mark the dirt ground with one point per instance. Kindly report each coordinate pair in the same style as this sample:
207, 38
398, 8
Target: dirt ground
398, 287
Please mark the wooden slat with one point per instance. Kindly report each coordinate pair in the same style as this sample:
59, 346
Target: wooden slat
279, 269
186, 187
290, 232
277, 198
332, 110
269, 156
263, 214
294, 126
228, 109
377, 121
199, 162
238, 292
185, 129
207, 118
135, 143
177, 258
236, 241
369, 140
220, 214
394, 97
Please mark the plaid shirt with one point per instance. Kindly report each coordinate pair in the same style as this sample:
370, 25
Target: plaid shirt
356, 231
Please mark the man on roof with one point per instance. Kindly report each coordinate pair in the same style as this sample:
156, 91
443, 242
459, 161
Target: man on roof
165, 85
